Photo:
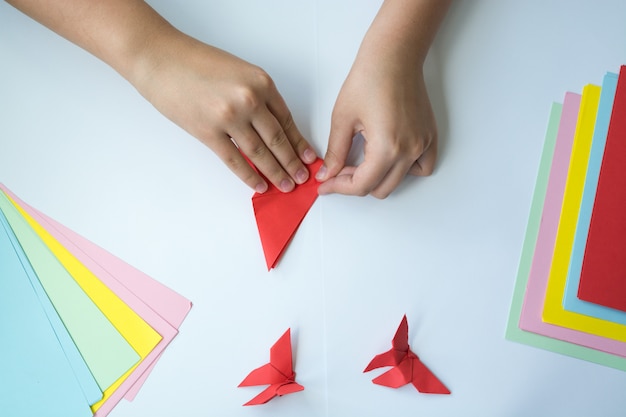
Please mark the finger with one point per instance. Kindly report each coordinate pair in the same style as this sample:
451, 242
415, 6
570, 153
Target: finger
391, 181
328, 186
425, 164
276, 139
279, 109
361, 181
256, 150
227, 151
339, 144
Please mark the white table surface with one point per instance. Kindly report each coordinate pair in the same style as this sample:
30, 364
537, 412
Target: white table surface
80, 144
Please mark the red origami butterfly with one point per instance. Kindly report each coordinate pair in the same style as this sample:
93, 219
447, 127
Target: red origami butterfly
278, 373
407, 367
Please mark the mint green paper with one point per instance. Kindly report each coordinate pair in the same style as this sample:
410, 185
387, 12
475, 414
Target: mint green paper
513, 332
107, 354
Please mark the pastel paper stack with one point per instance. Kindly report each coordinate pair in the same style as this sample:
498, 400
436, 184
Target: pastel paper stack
570, 293
81, 328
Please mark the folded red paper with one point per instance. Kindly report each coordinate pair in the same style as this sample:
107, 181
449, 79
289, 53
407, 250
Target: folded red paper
407, 366
278, 215
278, 373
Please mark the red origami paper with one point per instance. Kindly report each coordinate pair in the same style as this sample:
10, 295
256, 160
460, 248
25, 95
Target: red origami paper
279, 214
407, 366
603, 274
278, 373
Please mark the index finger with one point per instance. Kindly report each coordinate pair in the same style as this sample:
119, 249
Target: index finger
359, 180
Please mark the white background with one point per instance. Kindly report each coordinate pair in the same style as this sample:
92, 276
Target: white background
79, 143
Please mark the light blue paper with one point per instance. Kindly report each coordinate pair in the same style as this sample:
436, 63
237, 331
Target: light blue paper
90, 387
36, 379
571, 302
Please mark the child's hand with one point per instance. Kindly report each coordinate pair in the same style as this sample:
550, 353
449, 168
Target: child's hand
384, 98
208, 92
387, 102
216, 96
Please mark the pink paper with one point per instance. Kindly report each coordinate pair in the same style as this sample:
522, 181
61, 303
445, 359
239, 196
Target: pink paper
162, 308
530, 319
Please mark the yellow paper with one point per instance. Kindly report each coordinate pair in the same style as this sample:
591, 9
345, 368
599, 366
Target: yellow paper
553, 311
139, 334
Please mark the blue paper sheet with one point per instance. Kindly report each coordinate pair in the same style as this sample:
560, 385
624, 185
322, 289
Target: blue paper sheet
88, 383
36, 376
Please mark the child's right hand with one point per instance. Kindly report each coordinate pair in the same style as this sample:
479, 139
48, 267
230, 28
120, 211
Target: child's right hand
216, 96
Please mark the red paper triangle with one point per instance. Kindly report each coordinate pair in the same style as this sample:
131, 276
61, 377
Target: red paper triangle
279, 214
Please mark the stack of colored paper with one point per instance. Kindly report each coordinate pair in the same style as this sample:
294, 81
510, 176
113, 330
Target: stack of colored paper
81, 329
570, 294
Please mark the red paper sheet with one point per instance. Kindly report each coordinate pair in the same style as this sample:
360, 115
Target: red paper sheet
603, 274
279, 214
278, 373
407, 366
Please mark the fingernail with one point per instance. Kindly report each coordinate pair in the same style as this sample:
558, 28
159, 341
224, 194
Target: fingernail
301, 176
321, 174
286, 185
309, 155
261, 188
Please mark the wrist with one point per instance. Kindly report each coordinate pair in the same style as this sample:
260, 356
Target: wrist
143, 51
404, 30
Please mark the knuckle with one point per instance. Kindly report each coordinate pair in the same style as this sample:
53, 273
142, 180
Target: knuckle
288, 123
258, 151
247, 98
226, 112
262, 79
380, 195
233, 162
417, 149
278, 139
427, 169
361, 191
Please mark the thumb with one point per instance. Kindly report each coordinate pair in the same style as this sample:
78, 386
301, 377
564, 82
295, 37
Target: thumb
339, 144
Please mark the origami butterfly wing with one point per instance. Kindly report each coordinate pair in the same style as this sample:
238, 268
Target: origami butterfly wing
266, 374
280, 355
425, 381
289, 388
399, 350
396, 377
275, 390
265, 395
